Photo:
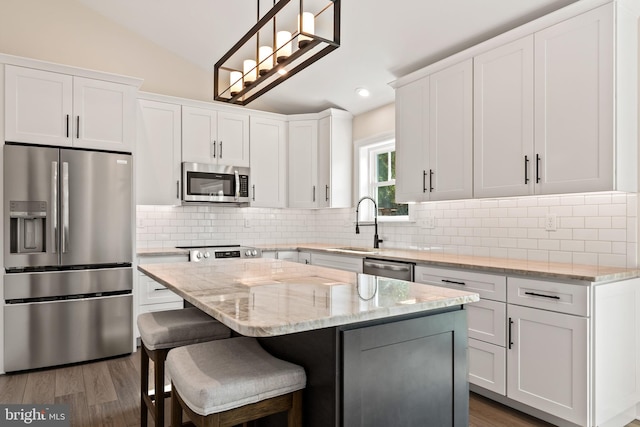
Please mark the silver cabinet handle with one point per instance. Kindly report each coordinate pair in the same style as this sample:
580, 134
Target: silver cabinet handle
220, 149
77, 127
54, 205
388, 267
178, 189
65, 206
213, 149
314, 193
326, 193
254, 192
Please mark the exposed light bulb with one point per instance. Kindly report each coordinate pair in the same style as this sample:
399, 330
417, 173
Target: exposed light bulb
235, 80
308, 26
265, 59
283, 45
250, 72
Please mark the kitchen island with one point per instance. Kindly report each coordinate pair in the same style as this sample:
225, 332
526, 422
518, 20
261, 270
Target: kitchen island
376, 351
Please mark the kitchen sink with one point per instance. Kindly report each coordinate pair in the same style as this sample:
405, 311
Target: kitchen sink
356, 250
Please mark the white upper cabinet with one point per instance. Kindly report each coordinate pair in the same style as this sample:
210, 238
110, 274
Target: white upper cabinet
43, 107
158, 153
451, 132
268, 162
574, 94
503, 120
303, 163
412, 118
555, 110
218, 137
434, 146
320, 160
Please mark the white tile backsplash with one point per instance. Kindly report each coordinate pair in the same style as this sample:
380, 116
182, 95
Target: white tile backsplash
597, 228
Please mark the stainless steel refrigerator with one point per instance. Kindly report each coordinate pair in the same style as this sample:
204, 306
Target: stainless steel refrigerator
67, 256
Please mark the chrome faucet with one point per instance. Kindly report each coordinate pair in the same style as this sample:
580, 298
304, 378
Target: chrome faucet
376, 240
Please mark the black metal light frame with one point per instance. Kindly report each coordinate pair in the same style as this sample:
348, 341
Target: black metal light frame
253, 91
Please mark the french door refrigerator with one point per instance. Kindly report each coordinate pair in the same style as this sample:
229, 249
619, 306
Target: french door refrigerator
67, 256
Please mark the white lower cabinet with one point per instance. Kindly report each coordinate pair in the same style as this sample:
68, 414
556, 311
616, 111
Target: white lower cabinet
487, 366
153, 296
564, 351
547, 362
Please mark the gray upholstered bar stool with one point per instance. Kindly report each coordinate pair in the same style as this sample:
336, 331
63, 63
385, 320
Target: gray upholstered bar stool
160, 332
230, 382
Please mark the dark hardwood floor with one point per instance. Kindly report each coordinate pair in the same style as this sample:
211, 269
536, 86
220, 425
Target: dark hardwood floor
106, 393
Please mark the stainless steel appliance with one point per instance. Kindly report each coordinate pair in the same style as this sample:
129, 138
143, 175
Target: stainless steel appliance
391, 269
67, 256
214, 183
204, 253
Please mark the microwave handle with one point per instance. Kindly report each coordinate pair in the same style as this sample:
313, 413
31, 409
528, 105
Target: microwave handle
237, 185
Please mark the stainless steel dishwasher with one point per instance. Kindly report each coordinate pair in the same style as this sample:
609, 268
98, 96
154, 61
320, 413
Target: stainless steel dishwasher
391, 269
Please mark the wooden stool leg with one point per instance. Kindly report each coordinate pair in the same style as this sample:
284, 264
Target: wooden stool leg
159, 360
294, 415
176, 409
144, 385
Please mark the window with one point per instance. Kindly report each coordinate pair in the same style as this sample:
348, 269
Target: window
377, 179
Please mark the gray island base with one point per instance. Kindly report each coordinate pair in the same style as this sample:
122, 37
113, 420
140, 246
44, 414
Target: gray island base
377, 351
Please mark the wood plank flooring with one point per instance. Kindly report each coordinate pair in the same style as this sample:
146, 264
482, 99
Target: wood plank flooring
106, 394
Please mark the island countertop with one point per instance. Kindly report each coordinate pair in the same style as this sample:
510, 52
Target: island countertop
266, 297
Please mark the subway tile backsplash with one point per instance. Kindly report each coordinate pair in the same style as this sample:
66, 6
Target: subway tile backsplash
594, 228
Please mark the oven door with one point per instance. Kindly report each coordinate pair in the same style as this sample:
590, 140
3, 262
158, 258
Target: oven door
213, 183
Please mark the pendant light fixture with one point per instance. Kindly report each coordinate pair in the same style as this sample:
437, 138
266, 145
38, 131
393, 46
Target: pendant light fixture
284, 41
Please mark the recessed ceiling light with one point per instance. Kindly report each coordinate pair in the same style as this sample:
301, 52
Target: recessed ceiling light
282, 71
363, 92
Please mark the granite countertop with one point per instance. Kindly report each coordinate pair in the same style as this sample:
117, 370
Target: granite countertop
551, 270
265, 297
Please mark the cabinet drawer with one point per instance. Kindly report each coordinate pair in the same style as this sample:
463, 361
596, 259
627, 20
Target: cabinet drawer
488, 286
304, 257
487, 366
554, 296
487, 320
152, 292
288, 256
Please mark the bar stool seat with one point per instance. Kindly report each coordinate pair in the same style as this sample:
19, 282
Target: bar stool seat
160, 332
233, 381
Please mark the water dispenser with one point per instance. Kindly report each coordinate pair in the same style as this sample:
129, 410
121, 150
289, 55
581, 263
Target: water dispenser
27, 226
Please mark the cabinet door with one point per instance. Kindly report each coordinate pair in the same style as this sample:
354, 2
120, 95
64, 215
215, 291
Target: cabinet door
158, 153
487, 321
268, 163
199, 130
233, 139
451, 132
574, 103
38, 106
547, 362
346, 263
412, 120
103, 114
503, 120
488, 366
303, 163
324, 163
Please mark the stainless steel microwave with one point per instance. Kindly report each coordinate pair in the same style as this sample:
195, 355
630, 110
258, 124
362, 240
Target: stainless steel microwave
214, 183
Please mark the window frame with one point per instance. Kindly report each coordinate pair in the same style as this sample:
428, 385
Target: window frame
365, 167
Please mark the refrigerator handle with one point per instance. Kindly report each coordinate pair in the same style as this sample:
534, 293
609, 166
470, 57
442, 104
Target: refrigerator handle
65, 206
54, 205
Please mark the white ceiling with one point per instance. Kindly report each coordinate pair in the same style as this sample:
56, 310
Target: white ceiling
381, 41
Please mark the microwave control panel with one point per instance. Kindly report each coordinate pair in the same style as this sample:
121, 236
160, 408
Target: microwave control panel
244, 185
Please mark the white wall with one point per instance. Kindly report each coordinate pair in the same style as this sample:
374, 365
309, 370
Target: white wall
66, 32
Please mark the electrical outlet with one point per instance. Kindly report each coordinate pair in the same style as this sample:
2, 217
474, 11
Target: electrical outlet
551, 222
430, 222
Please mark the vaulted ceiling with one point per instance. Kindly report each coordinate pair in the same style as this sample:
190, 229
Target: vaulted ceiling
380, 41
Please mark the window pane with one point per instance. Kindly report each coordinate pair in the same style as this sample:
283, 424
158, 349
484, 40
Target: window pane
393, 165
383, 167
386, 202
